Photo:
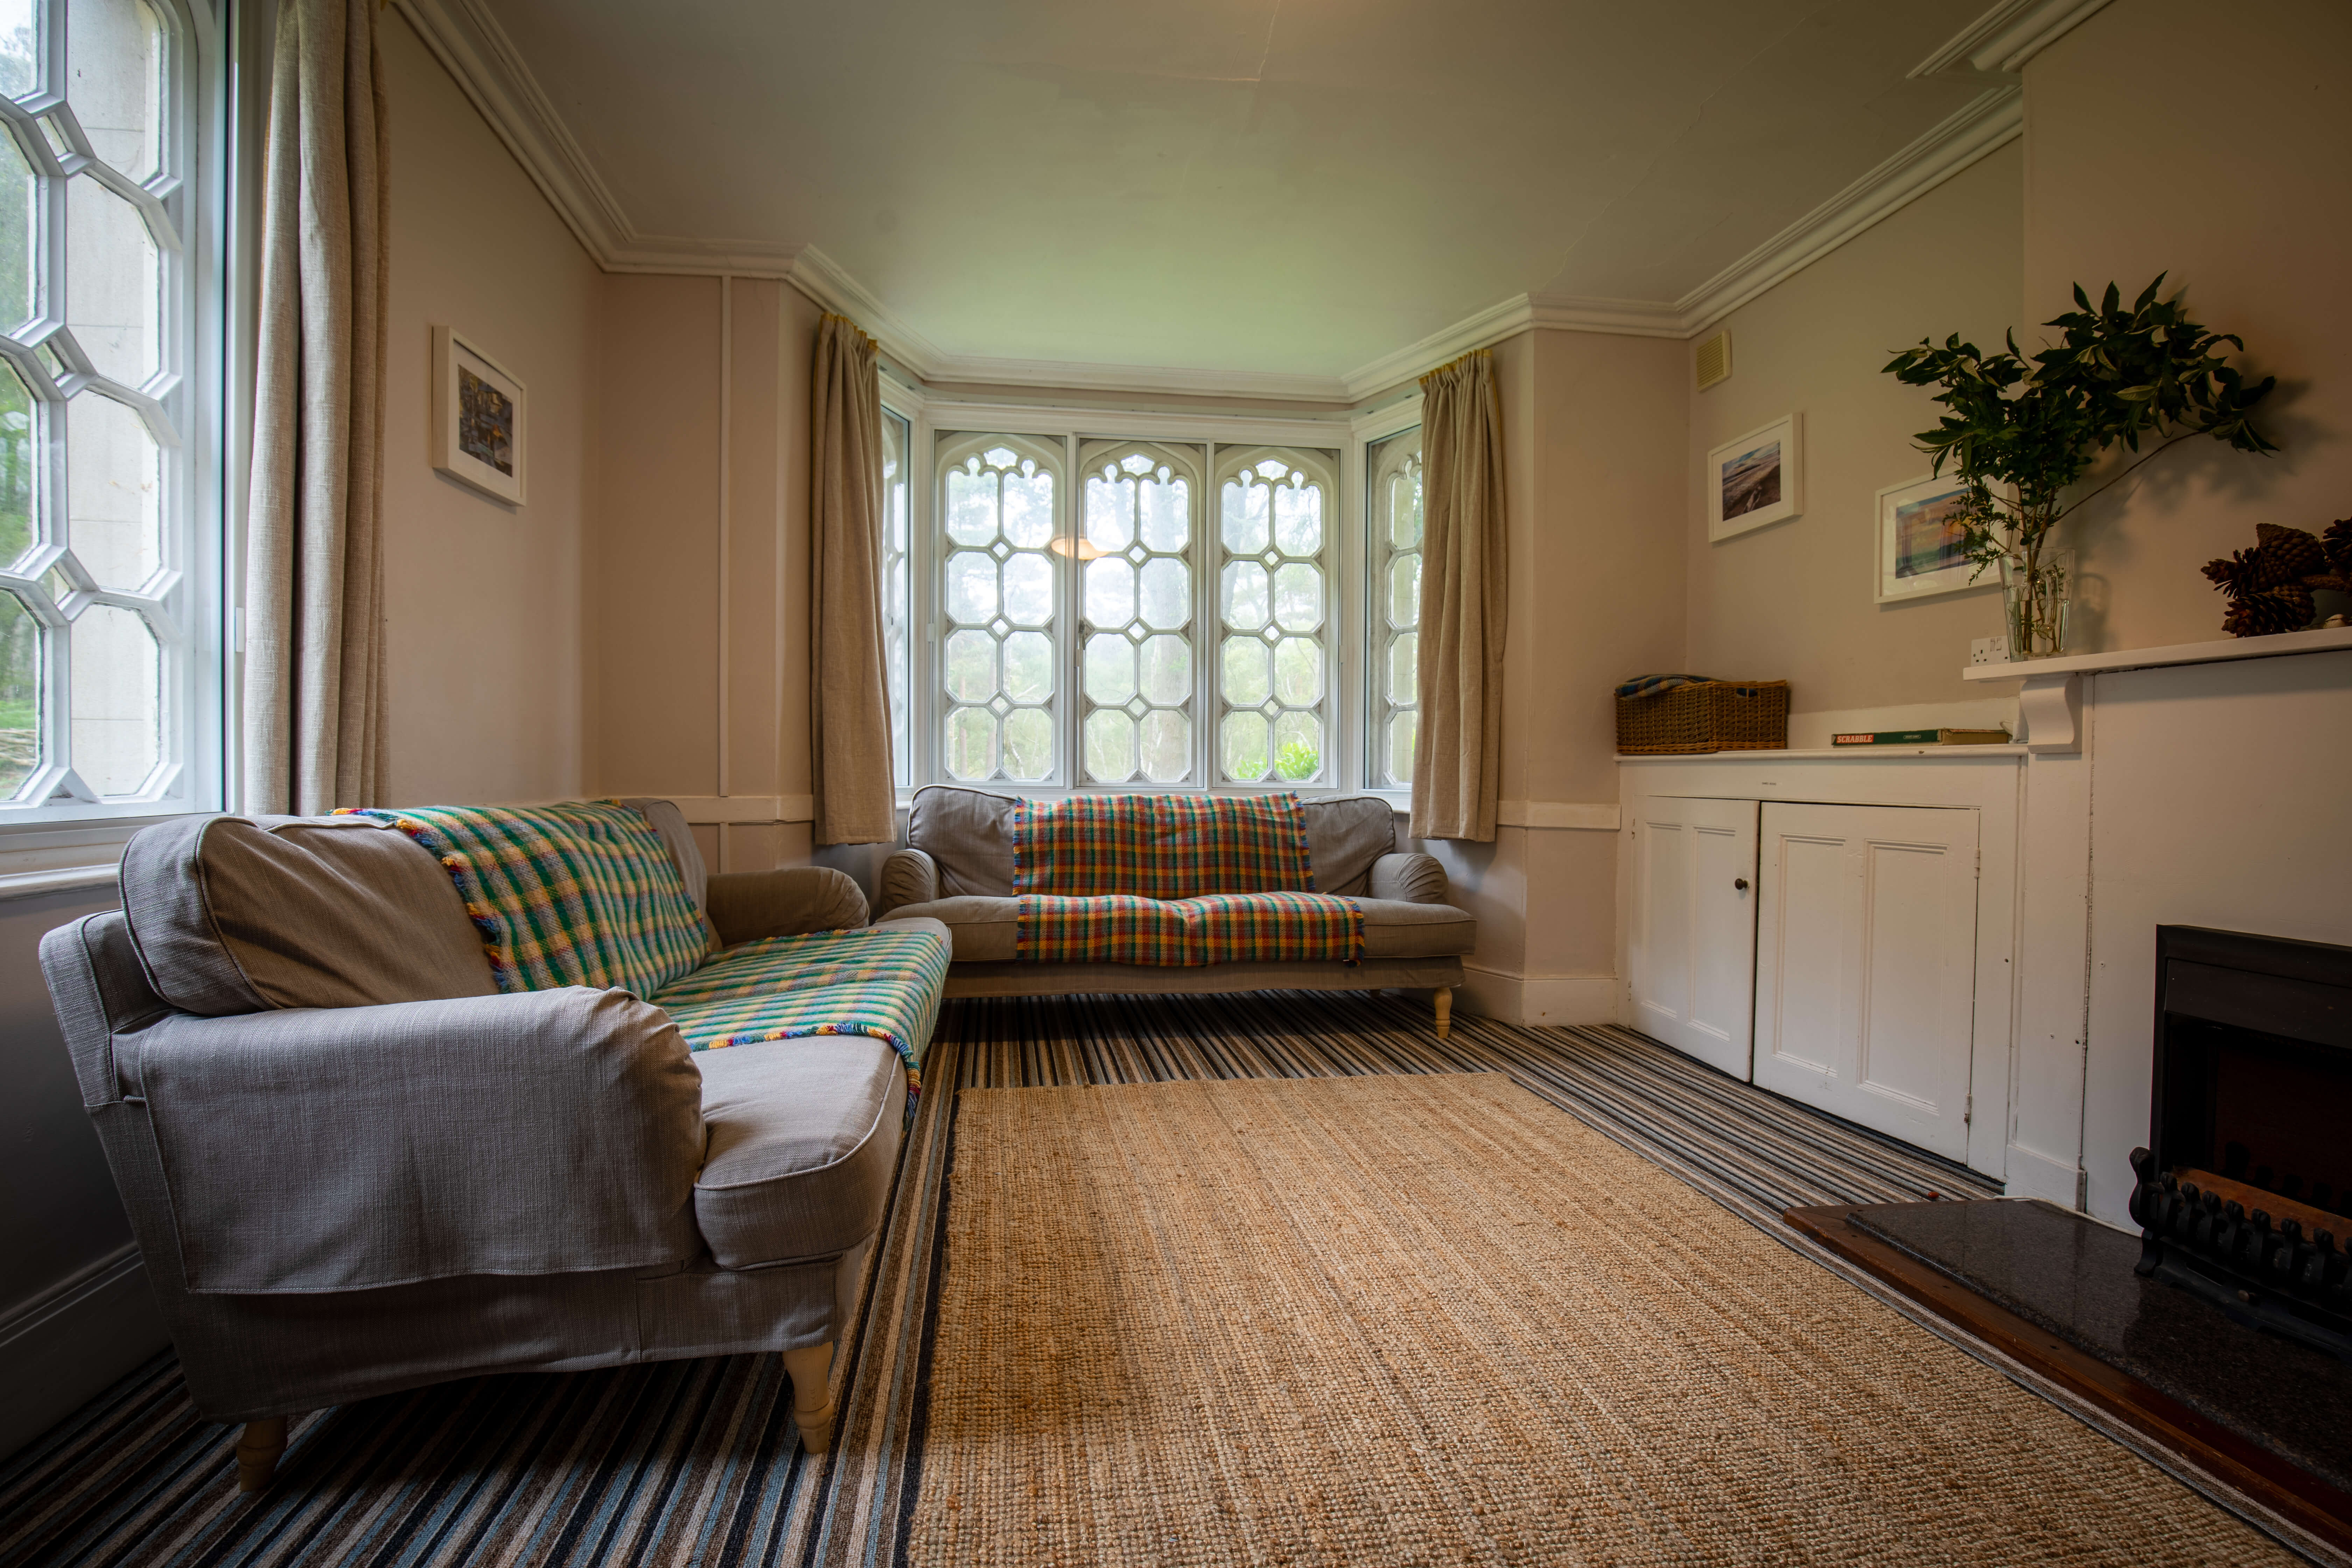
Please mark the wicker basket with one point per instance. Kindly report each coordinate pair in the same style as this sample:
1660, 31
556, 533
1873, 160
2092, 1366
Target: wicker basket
1708, 716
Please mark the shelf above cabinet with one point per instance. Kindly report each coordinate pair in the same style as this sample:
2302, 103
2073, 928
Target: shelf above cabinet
2329, 639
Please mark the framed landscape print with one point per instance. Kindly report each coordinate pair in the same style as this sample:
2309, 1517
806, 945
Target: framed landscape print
1919, 542
1757, 479
479, 410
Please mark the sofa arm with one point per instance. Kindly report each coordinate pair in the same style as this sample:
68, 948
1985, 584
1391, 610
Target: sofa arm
908, 876
1412, 878
748, 905
349, 1148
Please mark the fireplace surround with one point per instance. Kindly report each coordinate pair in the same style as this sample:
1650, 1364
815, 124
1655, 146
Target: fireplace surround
2244, 1193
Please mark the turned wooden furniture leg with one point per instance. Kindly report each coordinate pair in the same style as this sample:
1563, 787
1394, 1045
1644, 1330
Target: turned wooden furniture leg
1445, 1000
258, 1451
810, 1370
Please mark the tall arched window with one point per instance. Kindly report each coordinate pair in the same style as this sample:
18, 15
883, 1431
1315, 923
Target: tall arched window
1141, 520
1394, 486
1000, 594
1274, 604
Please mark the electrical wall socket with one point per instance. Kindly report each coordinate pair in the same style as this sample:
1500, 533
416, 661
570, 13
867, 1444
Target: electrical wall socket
1989, 650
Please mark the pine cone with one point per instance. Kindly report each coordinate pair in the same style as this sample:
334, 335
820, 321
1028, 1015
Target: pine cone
2337, 542
2282, 609
2287, 554
2237, 573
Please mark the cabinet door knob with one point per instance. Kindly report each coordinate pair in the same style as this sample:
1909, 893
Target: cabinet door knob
1740, 883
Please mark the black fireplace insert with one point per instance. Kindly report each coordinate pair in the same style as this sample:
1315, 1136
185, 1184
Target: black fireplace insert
2245, 1194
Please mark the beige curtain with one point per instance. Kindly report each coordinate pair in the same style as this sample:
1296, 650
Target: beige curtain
1457, 754
849, 709
313, 722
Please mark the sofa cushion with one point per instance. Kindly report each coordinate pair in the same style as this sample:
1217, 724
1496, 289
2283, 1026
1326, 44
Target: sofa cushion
804, 1142
1344, 836
235, 915
983, 929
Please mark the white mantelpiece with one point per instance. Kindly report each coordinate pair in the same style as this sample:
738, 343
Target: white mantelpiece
2050, 703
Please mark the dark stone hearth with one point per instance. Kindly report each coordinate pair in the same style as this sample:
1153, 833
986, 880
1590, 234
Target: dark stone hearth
2075, 1279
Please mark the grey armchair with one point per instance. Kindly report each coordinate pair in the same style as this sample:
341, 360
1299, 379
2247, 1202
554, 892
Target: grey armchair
352, 1166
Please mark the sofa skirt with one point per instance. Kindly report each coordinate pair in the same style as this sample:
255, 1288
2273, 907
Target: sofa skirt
1094, 979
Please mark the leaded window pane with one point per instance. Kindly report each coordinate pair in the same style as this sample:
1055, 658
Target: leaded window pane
1273, 603
1137, 602
1393, 484
1000, 582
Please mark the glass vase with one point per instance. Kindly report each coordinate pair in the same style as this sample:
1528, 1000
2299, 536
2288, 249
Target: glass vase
2036, 602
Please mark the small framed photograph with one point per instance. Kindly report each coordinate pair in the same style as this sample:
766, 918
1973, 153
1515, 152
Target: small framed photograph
1920, 541
479, 408
1757, 479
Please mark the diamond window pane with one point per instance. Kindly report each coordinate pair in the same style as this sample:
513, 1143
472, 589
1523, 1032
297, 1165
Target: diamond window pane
1028, 744
1166, 588
972, 587
1298, 520
115, 63
1110, 593
1111, 668
20, 54
1166, 742
1241, 508
1242, 747
1028, 667
1111, 746
1241, 595
1166, 513
1404, 668
1134, 463
1167, 670
971, 744
971, 506
1029, 510
1029, 589
118, 699
114, 487
971, 667
114, 281
1403, 727
1404, 591
1110, 513
1248, 676
20, 695
1298, 747
20, 297
1273, 468
19, 466
1298, 596
1298, 672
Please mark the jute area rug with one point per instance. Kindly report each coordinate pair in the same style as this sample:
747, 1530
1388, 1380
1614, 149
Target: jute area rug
1433, 1320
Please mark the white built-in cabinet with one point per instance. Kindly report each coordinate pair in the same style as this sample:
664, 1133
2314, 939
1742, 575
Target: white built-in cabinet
1829, 951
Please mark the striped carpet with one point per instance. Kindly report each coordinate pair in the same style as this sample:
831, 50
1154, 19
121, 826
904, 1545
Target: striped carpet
697, 1462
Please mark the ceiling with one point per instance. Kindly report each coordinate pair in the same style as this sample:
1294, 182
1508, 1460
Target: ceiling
1291, 187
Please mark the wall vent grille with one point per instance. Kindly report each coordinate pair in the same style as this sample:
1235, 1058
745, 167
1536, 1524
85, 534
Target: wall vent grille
1713, 361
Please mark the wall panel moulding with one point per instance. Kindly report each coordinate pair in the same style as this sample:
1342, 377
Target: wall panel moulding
470, 43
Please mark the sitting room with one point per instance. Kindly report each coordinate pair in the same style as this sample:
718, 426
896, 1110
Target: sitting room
1240, 784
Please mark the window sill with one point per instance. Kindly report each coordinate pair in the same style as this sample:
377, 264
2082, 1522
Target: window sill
48, 856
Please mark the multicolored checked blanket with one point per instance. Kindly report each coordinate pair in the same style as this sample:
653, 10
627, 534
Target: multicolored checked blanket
585, 894
1172, 880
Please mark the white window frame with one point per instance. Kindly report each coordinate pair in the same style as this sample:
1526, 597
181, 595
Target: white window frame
1368, 430
1379, 554
1189, 462
55, 817
1320, 468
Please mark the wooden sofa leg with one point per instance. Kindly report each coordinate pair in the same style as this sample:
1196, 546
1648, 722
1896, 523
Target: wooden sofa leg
810, 1369
258, 1451
1444, 1000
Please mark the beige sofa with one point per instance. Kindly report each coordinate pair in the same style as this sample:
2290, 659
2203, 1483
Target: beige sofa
957, 869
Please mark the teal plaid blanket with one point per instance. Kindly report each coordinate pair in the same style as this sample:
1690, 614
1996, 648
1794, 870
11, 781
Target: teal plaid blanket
883, 982
1160, 845
578, 894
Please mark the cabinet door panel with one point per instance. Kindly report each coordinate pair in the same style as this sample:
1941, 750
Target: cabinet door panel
1691, 942
1866, 966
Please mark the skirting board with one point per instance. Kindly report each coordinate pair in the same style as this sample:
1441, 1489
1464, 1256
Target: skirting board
2034, 1175
1538, 998
63, 1347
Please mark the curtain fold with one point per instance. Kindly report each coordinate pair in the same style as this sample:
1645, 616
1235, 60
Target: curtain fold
1457, 753
314, 713
850, 708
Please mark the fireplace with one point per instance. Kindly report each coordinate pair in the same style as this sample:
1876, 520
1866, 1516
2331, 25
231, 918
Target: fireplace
2245, 1191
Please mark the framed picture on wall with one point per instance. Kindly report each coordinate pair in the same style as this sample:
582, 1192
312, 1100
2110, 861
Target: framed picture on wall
480, 414
1919, 542
1759, 479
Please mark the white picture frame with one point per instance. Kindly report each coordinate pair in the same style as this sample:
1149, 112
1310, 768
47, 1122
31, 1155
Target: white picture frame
1758, 479
481, 419
1918, 551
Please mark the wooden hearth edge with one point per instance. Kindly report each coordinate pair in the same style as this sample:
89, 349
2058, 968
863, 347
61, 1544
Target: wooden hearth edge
2293, 1494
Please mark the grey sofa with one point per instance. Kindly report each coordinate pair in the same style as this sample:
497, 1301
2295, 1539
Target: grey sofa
352, 1166
957, 869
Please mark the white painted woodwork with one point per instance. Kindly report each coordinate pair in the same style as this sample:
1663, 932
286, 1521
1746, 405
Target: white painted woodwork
1691, 953
1865, 966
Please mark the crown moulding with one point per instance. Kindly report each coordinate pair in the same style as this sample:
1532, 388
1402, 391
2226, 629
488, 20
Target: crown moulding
479, 56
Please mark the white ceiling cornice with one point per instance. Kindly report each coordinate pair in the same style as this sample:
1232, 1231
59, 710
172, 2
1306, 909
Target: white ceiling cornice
476, 51
2008, 36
